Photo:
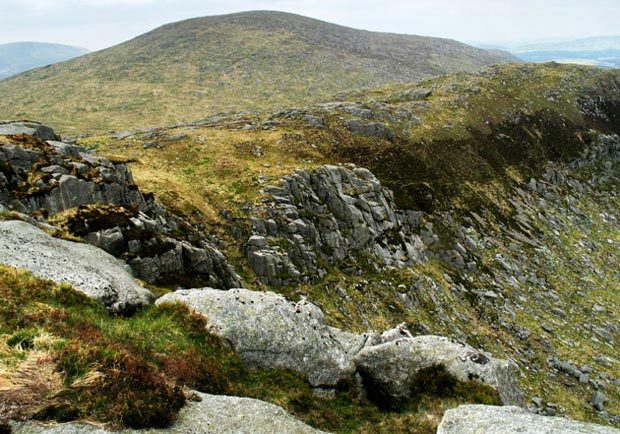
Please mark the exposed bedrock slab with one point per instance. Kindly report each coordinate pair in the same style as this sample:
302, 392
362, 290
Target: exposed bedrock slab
88, 269
268, 331
483, 419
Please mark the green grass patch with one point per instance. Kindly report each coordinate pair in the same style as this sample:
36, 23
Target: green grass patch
124, 371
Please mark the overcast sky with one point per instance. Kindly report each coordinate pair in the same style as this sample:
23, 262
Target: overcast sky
96, 24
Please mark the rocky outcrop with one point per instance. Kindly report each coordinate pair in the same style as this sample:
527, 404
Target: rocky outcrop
206, 414
88, 269
374, 129
34, 129
107, 208
330, 215
268, 331
482, 419
390, 367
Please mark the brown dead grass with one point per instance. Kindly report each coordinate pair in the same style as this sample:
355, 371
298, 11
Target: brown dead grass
29, 387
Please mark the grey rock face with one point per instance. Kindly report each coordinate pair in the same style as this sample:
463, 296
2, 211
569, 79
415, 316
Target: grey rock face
375, 129
415, 94
67, 149
18, 158
314, 121
110, 240
182, 258
210, 415
267, 331
328, 213
65, 190
34, 129
87, 268
482, 419
69, 177
599, 400
390, 367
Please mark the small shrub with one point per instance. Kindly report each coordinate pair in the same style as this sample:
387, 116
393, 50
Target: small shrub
22, 338
436, 381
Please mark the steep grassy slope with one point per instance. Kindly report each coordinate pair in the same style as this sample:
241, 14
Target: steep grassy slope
18, 57
537, 281
245, 61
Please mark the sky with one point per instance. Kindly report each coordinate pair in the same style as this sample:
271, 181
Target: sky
97, 24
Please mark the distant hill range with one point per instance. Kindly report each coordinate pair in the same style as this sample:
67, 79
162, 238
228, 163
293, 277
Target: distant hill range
244, 61
601, 51
18, 57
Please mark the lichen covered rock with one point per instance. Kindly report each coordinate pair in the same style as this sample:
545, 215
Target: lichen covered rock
88, 269
31, 128
328, 214
389, 368
268, 331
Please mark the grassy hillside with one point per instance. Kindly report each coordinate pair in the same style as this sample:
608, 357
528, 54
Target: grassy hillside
255, 60
18, 57
448, 134
461, 149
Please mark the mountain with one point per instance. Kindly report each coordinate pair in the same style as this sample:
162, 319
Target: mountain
472, 216
499, 227
245, 61
18, 57
601, 51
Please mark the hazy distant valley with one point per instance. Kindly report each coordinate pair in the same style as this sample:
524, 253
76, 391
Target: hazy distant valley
603, 52
21, 56
265, 223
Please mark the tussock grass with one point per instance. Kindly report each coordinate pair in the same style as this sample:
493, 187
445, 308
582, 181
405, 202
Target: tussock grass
101, 367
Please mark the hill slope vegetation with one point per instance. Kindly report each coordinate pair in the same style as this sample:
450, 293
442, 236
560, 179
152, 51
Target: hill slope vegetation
501, 232
508, 181
246, 61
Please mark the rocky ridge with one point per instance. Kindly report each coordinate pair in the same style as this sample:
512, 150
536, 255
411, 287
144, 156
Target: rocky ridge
487, 251
286, 332
522, 264
322, 217
47, 178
